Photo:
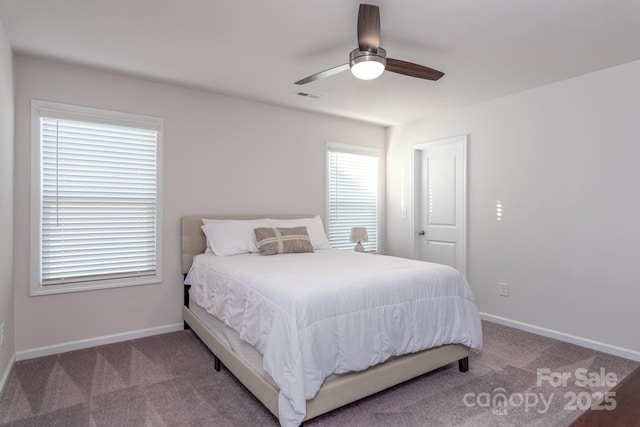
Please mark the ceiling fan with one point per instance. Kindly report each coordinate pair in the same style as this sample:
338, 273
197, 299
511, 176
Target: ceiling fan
369, 60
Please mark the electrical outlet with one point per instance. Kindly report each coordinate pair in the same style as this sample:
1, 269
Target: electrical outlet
1, 335
504, 289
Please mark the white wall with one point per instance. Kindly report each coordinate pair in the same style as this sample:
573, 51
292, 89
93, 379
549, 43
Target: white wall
221, 155
6, 202
563, 159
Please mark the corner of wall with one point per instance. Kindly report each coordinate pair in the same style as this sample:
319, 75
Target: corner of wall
7, 318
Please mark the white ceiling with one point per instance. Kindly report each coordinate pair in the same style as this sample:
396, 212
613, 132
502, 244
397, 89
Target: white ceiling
256, 49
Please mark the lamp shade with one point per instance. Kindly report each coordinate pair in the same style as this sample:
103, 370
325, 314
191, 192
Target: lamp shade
359, 234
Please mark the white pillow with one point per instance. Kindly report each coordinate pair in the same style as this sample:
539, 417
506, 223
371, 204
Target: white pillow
210, 221
232, 237
314, 226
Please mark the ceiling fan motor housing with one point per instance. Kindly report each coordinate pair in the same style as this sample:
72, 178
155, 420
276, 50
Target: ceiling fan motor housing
356, 56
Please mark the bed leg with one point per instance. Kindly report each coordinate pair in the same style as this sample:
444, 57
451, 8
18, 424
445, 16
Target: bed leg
186, 326
216, 363
463, 364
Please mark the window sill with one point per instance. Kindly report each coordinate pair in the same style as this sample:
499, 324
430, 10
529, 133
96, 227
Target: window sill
38, 290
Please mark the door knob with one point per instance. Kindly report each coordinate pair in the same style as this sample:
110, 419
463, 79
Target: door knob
421, 233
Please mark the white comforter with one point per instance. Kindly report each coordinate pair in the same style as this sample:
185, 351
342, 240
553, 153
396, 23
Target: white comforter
331, 311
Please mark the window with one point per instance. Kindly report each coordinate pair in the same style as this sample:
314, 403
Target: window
96, 219
353, 194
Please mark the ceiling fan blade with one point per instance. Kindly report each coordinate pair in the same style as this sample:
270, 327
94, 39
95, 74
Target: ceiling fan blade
368, 28
323, 74
412, 70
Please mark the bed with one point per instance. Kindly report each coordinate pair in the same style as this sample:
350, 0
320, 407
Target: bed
311, 384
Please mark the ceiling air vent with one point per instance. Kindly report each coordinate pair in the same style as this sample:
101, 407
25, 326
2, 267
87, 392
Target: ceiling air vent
307, 95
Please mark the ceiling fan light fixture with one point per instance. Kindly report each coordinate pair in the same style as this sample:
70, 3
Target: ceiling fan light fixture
369, 60
367, 65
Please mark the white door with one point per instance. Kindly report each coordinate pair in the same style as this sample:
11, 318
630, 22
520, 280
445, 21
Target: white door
440, 202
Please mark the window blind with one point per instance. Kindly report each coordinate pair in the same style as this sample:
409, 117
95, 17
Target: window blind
98, 201
352, 198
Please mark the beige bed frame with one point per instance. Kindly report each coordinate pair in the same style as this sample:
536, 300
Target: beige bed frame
333, 394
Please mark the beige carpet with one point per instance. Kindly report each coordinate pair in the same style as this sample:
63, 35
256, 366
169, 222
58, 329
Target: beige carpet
169, 380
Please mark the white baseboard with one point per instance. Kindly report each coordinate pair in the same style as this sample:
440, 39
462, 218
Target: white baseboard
561, 336
5, 375
93, 342
141, 333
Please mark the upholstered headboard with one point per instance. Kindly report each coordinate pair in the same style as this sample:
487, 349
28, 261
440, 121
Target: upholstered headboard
193, 241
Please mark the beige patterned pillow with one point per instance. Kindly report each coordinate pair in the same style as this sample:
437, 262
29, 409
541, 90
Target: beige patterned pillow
272, 241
